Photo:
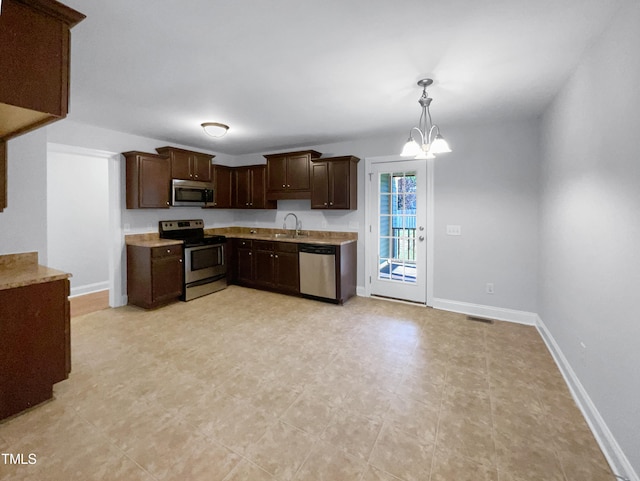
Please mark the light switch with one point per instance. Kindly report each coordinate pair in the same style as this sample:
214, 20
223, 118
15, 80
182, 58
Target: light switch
454, 230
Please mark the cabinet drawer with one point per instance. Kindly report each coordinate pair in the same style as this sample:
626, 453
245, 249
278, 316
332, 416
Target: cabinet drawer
245, 243
263, 245
286, 247
166, 251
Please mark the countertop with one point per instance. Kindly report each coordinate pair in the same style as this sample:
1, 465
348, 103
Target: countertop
19, 270
307, 237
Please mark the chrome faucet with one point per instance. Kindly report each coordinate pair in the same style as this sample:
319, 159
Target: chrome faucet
298, 223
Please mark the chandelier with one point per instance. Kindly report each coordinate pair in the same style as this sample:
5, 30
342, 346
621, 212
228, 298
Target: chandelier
431, 142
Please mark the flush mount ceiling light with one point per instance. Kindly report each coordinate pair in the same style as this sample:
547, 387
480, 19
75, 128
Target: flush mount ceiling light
431, 142
215, 129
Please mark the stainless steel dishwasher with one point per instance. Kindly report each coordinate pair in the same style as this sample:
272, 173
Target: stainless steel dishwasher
318, 271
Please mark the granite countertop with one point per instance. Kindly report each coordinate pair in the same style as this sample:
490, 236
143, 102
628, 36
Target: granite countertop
151, 239
19, 270
280, 235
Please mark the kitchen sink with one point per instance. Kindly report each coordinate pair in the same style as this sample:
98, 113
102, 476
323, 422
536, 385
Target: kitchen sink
280, 235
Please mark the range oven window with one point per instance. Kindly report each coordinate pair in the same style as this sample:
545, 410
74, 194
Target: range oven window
203, 258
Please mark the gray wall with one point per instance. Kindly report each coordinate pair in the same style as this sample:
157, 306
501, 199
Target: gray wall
590, 226
488, 186
78, 218
23, 224
489, 189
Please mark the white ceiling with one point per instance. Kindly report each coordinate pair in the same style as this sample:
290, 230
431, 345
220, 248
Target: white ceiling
291, 73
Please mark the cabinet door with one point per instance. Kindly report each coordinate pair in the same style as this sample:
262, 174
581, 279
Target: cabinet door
154, 182
339, 184
180, 165
319, 185
298, 172
201, 167
277, 174
244, 268
286, 275
242, 177
166, 278
264, 267
258, 187
222, 186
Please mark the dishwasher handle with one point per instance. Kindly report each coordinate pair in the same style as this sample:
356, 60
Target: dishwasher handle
325, 250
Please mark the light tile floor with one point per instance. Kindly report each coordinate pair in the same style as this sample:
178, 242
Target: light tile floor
250, 385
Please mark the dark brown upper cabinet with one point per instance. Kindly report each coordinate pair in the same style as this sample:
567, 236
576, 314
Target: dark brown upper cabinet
222, 177
334, 183
148, 180
250, 188
288, 174
34, 69
188, 165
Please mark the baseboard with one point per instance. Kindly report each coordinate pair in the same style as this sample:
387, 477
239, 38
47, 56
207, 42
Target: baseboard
615, 456
490, 312
87, 303
89, 288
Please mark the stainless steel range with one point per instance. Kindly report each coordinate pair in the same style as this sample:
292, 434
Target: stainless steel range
205, 268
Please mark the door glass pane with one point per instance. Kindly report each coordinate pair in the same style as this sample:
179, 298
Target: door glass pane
397, 227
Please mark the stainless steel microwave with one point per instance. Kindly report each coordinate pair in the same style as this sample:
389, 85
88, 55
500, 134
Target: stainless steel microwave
191, 193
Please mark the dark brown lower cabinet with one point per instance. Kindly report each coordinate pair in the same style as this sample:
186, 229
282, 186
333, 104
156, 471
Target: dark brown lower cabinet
154, 275
265, 265
276, 266
35, 344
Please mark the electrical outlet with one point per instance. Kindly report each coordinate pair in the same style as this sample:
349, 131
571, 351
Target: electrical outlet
489, 288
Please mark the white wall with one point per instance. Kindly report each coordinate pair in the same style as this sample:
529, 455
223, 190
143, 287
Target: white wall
78, 218
23, 223
590, 232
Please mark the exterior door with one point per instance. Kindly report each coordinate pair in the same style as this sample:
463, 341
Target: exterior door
398, 230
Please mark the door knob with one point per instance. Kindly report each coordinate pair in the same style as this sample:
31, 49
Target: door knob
421, 238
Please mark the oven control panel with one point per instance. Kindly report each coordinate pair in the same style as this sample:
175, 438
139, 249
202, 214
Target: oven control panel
167, 225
